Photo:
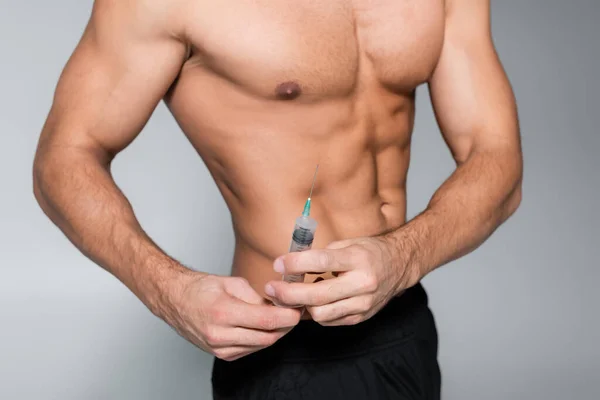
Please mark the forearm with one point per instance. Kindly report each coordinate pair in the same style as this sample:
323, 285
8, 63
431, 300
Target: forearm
75, 189
472, 203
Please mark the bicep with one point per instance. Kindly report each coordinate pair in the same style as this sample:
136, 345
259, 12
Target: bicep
471, 95
123, 65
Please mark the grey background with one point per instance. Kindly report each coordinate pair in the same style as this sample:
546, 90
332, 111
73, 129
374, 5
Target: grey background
518, 318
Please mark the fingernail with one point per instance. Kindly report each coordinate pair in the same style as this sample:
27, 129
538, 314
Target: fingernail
278, 266
269, 290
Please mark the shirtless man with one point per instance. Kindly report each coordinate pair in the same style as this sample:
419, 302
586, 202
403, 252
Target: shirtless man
260, 87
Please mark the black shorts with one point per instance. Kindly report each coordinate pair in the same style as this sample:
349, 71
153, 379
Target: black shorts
393, 355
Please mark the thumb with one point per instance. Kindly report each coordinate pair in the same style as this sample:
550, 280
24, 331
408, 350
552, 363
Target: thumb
241, 289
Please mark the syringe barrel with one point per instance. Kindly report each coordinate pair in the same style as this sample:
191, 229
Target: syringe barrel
302, 239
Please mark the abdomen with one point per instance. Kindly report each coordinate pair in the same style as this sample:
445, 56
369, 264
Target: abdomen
263, 152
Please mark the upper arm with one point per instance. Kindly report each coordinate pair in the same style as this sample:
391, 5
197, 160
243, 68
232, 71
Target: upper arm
127, 58
471, 95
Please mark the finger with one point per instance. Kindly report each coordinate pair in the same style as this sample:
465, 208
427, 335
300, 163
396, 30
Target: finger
240, 288
340, 309
263, 317
340, 244
242, 337
316, 293
312, 261
345, 321
234, 353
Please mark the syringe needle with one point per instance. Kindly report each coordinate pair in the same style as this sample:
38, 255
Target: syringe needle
304, 233
306, 211
313, 182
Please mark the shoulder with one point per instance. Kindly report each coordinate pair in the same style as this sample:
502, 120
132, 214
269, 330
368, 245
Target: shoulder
154, 18
468, 22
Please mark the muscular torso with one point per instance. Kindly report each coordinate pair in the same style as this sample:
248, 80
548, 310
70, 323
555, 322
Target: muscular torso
272, 88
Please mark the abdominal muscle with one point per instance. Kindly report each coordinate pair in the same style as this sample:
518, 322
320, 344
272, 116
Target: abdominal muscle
343, 210
344, 205
254, 261
263, 153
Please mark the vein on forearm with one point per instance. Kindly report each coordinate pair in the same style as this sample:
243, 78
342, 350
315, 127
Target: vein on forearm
472, 203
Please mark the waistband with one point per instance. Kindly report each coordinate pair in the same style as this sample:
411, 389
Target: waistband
401, 319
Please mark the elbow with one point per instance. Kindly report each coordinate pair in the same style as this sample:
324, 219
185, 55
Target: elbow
39, 181
45, 172
514, 201
515, 198
55, 171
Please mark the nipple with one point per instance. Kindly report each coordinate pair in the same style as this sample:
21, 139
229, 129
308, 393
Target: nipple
288, 90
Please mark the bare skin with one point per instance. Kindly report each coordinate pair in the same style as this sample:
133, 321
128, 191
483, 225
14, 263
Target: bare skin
264, 91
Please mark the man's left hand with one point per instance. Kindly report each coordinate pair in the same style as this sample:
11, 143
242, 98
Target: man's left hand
368, 273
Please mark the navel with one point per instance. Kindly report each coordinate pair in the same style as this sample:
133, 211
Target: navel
288, 90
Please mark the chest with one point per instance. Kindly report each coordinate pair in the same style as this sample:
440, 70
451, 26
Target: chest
318, 48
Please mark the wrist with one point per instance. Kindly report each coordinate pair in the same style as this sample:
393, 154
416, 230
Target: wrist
404, 257
163, 287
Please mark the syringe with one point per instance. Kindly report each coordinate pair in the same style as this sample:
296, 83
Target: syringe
304, 233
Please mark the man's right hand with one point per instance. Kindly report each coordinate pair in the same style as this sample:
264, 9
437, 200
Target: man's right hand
105, 96
225, 316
